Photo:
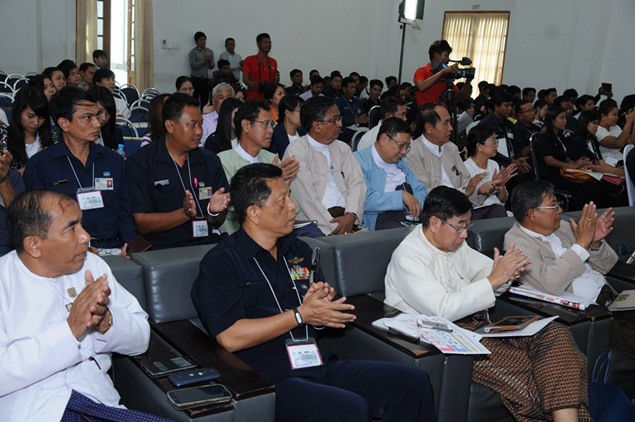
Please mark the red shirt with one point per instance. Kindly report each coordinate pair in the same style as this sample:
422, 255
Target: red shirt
259, 70
432, 94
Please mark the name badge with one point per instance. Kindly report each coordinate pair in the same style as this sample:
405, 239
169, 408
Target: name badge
200, 228
303, 353
104, 183
90, 200
502, 147
204, 193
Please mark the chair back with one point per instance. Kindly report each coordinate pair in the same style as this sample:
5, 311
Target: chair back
629, 183
374, 115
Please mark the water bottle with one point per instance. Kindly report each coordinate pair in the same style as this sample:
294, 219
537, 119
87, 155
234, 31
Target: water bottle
121, 151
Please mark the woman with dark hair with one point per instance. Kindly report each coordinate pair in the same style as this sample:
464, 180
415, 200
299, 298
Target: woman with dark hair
551, 157
492, 193
44, 85
71, 72
274, 93
540, 107
610, 136
289, 125
585, 144
111, 135
225, 136
30, 128
184, 85
155, 128
56, 76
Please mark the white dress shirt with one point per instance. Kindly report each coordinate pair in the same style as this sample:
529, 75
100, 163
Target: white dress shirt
394, 175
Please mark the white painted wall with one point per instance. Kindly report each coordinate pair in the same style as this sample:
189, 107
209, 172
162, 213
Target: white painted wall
563, 43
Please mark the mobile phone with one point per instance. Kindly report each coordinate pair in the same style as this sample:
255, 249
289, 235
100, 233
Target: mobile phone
199, 396
193, 376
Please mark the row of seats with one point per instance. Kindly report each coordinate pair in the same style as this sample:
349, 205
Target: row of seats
355, 265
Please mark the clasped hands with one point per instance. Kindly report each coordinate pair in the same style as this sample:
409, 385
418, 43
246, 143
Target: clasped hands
90, 308
318, 307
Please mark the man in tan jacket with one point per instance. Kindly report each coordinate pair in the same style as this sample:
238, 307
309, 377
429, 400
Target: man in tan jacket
567, 256
330, 186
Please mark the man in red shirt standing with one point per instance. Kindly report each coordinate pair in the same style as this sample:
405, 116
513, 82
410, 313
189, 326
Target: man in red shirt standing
430, 81
259, 69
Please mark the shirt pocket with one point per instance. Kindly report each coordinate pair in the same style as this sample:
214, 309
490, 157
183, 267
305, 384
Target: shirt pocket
254, 292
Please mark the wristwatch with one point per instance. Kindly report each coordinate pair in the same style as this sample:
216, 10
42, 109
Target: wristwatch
108, 323
298, 317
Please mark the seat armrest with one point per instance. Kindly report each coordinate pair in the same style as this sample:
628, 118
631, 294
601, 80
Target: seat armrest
624, 272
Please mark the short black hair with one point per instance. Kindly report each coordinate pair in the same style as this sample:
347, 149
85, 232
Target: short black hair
374, 82
181, 80
390, 105
222, 63
444, 203
562, 99
85, 66
501, 97
28, 217
262, 36
103, 73
518, 106
294, 72
249, 187
65, 102
582, 100
393, 126
228, 39
483, 85
529, 195
527, 90
439, 47
347, 81
98, 54
607, 106
314, 110
570, 93
389, 79
248, 111
199, 34
174, 105
66, 66
48, 72
317, 79
427, 114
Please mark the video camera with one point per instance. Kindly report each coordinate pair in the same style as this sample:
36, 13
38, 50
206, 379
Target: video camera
467, 73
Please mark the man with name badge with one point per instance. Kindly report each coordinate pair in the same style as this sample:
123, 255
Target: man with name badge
177, 189
254, 295
86, 171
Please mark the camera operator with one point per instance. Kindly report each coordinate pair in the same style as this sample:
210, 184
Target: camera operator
259, 69
430, 80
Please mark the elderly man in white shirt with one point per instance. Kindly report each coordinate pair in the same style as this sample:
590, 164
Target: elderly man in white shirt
220, 92
62, 314
329, 186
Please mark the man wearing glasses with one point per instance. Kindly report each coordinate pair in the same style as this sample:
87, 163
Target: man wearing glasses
524, 129
329, 186
394, 194
434, 272
566, 256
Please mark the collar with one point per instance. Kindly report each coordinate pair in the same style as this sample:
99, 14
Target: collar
162, 154
386, 167
436, 150
245, 156
249, 248
536, 235
316, 145
60, 149
434, 249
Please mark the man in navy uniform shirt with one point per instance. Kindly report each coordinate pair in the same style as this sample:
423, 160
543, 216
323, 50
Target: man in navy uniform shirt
524, 129
178, 191
351, 108
86, 171
254, 296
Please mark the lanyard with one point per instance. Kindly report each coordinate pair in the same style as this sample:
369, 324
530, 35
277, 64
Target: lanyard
306, 329
77, 178
189, 171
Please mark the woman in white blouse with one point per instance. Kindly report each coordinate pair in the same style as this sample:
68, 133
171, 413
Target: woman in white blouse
612, 139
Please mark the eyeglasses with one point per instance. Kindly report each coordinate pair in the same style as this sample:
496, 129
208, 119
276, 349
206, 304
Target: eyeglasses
495, 142
402, 146
272, 124
337, 120
531, 110
459, 230
551, 207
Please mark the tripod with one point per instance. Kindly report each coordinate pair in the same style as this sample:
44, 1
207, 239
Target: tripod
449, 98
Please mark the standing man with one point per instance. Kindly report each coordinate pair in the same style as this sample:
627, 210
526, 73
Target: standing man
235, 60
259, 69
63, 314
177, 189
201, 62
252, 295
430, 80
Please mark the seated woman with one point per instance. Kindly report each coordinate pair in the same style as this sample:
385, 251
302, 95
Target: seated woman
56, 76
111, 135
184, 85
540, 108
612, 139
155, 128
492, 193
71, 72
44, 85
225, 136
274, 93
551, 157
289, 125
30, 128
585, 144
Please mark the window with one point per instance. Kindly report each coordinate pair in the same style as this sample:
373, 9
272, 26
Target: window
481, 36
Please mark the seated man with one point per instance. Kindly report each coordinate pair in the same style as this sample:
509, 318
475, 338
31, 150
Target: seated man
524, 129
296, 87
390, 107
335, 88
10, 185
352, 110
394, 193
86, 71
223, 74
106, 78
220, 92
434, 159
315, 89
329, 186
63, 314
373, 95
259, 307
82, 169
434, 272
566, 256
177, 189
254, 129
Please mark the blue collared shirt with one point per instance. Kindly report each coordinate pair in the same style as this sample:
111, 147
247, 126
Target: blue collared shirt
52, 168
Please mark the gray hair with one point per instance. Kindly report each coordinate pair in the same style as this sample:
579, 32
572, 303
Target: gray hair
222, 85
